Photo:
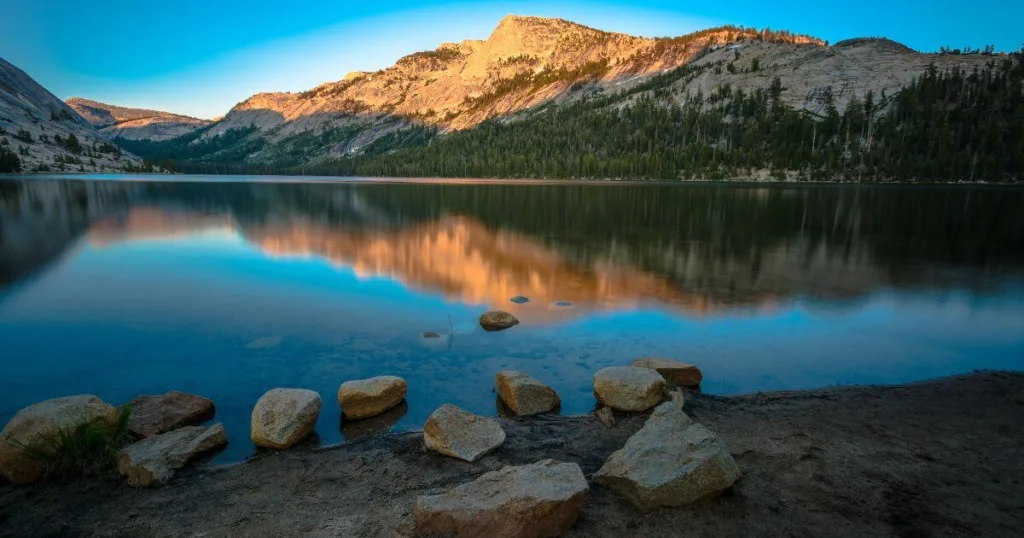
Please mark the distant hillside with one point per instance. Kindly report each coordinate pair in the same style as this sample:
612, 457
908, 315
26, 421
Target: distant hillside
134, 123
39, 132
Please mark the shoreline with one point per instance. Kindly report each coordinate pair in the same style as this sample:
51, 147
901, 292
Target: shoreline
933, 457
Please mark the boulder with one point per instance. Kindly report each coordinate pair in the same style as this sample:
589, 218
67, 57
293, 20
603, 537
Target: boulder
461, 434
370, 397
541, 499
497, 320
680, 373
283, 417
153, 460
628, 388
671, 461
525, 395
35, 426
153, 415
606, 416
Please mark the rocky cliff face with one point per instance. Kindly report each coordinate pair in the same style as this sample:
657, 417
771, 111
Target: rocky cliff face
134, 123
525, 62
39, 128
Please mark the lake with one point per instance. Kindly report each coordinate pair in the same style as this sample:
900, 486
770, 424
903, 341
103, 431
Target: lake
228, 287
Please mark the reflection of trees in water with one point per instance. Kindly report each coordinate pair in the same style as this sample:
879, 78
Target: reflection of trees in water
730, 244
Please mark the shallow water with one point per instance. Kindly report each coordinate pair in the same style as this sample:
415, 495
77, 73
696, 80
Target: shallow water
228, 289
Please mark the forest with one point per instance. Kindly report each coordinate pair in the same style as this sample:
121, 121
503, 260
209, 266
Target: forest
946, 126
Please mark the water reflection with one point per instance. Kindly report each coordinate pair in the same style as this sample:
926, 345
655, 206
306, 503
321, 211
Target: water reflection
229, 289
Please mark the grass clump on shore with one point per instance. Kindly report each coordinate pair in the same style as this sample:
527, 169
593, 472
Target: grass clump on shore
83, 450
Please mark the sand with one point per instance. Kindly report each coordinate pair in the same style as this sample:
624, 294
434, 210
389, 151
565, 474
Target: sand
939, 458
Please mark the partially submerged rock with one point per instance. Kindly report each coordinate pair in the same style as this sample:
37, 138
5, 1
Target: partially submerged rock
431, 334
538, 500
370, 397
680, 373
497, 320
460, 434
671, 461
519, 299
34, 427
153, 461
628, 388
283, 417
153, 415
525, 395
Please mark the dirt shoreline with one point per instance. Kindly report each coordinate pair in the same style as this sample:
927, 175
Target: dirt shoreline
937, 458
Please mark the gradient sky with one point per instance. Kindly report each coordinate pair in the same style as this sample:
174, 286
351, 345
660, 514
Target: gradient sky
201, 57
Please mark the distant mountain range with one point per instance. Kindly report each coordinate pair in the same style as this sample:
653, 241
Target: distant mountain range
379, 122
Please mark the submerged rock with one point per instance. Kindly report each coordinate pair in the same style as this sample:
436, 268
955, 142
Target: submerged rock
525, 395
369, 397
153, 415
671, 461
460, 434
519, 299
431, 334
680, 373
606, 416
497, 320
153, 461
283, 417
538, 500
35, 426
628, 388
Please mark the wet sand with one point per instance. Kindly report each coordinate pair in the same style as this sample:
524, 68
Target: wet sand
938, 458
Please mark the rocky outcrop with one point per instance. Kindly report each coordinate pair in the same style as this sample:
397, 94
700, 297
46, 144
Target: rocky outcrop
671, 461
153, 415
680, 373
153, 461
525, 395
497, 320
370, 397
538, 500
460, 434
628, 388
34, 427
283, 417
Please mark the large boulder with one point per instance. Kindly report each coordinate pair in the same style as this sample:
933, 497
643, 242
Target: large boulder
283, 417
525, 395
497, 320
153, 461
153, 415
541, 499
460, 434
370, 397
34, 427
671, 461
680, 373
628, 388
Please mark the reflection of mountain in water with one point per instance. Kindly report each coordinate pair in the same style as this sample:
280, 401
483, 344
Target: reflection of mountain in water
609, 247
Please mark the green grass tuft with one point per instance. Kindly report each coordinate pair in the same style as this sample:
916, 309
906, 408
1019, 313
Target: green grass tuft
80, 451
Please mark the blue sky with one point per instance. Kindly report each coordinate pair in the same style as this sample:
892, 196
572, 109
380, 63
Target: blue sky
202, 57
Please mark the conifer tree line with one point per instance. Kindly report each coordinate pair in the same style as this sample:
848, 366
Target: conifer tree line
956, 125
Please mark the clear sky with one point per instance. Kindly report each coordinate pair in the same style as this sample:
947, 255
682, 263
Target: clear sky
201, 57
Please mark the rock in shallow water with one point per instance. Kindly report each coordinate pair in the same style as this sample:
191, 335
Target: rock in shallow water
525, 395
153, 415
519, 299
497, 320
671, 461
36, 425
283, 417
153, 461
680, 373
538, 500
370, 397
628, 388
460, 434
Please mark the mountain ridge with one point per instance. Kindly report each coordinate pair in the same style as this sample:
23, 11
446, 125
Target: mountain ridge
134, 123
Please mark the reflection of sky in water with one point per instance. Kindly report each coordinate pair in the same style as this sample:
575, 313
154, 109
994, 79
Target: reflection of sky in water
202, 313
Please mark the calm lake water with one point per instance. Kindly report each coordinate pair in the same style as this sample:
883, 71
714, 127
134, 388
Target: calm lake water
224, 289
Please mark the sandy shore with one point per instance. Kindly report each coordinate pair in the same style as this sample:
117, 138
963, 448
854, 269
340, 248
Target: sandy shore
939, 458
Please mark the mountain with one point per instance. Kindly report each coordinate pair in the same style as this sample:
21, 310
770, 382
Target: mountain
135, 123
39, 132
554, 99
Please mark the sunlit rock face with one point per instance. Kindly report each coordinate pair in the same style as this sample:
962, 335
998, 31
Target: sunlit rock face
134, 123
